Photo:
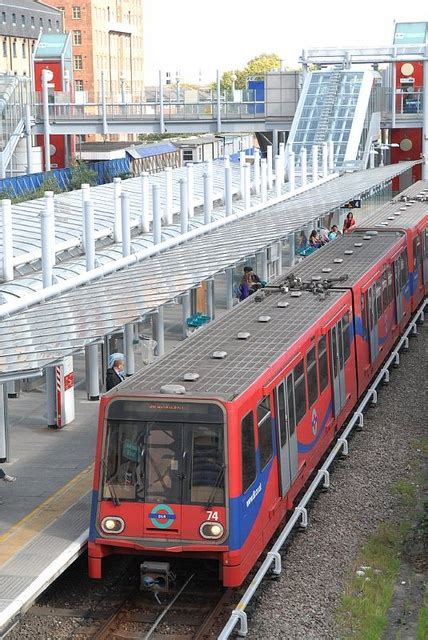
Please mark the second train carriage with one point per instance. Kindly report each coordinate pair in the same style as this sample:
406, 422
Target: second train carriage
202, 453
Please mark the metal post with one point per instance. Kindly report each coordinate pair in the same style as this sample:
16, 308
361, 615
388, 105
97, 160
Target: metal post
324, 160
190, 190
275, 138
184, 207
29, 147
281, 153
210, 299
425, 121
161, 114
144, 217
210, 181
304, 166
157, 215
125, 225
47, 75
331, 156
168, 196
4, 425
291, 244
207, 200
241, 174
278, 175
394, 96
128, 339
315, 163
104, 104
264, 272
229, 288
291, 170
247, 187
218, 102
185, 306
159, 331
279, 257
7, 240
48, 238
263, 170
228, 200
257, 171
85, 190
117, 190
91, 351
269, 167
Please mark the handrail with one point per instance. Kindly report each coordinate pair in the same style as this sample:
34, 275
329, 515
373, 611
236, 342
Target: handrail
323, 474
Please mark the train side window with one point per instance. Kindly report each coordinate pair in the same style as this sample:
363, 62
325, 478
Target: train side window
364, 314
426, 243
311, 368
404, 270
264, 422
385, 300
346, 337
390, 285
416, 252
299, 391
291, 404
248, 451
322, 363
378, 298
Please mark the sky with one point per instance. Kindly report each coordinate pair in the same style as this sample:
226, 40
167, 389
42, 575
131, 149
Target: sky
186, 36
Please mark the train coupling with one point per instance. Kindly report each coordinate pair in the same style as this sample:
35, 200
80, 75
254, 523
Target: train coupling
155, 576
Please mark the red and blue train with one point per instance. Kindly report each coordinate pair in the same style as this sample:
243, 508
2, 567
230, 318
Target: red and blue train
203, 453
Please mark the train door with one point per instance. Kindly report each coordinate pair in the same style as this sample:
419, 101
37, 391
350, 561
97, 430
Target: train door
287, 435
417, 264
373, 326
338, 367
398, 295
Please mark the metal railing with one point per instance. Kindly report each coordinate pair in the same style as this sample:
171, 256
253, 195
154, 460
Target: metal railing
300, 514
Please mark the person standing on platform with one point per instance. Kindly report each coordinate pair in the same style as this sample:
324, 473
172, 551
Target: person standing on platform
349, 222
4, 476
115, 373
249, 284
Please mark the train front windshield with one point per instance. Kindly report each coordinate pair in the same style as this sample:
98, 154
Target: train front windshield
167, 460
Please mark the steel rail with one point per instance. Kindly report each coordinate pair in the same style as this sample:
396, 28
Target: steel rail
323, 475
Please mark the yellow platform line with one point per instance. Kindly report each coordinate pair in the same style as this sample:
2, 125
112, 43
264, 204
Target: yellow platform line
44, 514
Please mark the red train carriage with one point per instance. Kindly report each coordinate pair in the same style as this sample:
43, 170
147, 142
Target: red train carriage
409, 212
202, 453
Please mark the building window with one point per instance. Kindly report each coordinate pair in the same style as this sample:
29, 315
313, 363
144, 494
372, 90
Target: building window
41, 23
78, 63
23, 20
78, 85
32, 47
3, 17
14, 19
49, 25
32, 22
77, 37
24, 50
76, 13
14, 48
57, 25
4, 48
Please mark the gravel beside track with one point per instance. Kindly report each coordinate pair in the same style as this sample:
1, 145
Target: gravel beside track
301, 604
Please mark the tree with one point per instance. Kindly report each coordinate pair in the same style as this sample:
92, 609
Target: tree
255, 68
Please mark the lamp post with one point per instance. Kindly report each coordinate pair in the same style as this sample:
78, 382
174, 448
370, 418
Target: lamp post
234, 78
177, 84
122, 81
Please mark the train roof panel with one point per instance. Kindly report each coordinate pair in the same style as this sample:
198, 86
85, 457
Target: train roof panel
335, 259
272, 330
404, 211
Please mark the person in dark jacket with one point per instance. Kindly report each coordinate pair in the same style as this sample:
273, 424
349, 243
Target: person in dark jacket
249, 284
115, 373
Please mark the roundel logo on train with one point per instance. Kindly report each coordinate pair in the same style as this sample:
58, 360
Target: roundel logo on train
314, 421
162, 516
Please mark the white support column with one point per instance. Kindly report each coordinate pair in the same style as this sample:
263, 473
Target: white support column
315, 163
85, 190
269, 167
324, 160
28, 144
88, 213
278, 176
128, 340
161, 113
292, 171
168, 196
291, 244
104, 104
208, 204
117, 191
279, 257
264, 272
128, 331
125, 225
275, 138
7, 240
257, 171
190, 190
210, 299
184, 206
247, 187
425, 122
228, 189
331, 156
394, 96
47, 76
185, 308
241, 174
48, 238
209, 164
157, 215
159, 331
281, 153
4, 425
304, 167
91, 351
229, 288
263, 171
218, 102
145, 204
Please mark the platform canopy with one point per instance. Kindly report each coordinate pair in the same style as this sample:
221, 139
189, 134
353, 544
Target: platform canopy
44, 334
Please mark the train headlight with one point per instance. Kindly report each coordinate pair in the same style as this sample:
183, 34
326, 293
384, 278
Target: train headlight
211, 530
112, 524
